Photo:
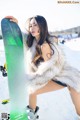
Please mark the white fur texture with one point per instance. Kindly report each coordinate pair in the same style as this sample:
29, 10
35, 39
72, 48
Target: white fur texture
55, 68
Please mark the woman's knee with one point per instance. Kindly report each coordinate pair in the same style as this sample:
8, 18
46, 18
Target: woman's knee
78, 112
32, 94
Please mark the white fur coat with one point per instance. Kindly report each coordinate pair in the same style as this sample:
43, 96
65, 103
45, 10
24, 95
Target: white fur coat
55, 68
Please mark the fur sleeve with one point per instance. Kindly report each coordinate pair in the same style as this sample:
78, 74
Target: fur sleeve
56, 61
48, 75
49, 69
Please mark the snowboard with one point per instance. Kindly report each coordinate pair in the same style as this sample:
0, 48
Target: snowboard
3, 69
13, 45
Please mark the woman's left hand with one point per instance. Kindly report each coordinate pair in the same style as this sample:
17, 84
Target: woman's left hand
12, 19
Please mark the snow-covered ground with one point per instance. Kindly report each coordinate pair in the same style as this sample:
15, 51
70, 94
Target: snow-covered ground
56, 105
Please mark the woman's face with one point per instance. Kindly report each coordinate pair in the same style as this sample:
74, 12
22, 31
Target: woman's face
34, 28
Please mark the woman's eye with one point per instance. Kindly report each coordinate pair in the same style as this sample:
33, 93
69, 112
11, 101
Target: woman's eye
35, 24
30, 26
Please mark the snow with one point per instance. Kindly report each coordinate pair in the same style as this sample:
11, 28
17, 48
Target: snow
55, 105
72, 51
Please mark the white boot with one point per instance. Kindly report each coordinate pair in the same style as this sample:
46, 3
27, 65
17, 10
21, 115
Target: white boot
32, 115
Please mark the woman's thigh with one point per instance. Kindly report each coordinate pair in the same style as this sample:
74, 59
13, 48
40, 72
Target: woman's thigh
75, 98
50, 86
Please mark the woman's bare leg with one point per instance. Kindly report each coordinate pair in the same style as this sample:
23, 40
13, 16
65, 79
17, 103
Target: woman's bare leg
76, 99
51, 86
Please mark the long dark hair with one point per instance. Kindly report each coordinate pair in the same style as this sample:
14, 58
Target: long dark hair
44, 34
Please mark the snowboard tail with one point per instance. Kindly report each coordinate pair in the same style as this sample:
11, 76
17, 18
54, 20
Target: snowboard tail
13, 45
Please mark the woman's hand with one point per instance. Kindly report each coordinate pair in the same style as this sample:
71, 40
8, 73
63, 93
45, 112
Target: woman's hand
31, 76
12, 19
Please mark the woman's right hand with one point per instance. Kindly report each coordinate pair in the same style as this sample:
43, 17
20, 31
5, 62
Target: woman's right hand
12, 19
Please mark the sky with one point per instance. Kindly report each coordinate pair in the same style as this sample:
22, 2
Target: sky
58, 16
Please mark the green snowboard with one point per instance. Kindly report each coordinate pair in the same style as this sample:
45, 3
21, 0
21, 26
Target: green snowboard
13, 45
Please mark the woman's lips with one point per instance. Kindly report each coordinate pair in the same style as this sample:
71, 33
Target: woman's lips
32, 32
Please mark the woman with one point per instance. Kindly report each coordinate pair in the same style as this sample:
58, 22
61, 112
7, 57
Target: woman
46, 67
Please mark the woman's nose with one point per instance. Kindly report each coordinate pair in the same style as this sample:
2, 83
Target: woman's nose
32, 27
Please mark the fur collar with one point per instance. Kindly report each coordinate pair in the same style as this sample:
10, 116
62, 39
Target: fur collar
55, 68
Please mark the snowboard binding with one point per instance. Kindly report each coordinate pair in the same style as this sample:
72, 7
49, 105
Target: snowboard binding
32, 115
3, 69
5, 101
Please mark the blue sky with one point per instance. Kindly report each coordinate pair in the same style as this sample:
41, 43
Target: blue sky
58, 16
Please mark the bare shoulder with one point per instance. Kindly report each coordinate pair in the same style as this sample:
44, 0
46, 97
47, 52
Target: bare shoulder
46, 51
46, 47
54, 39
